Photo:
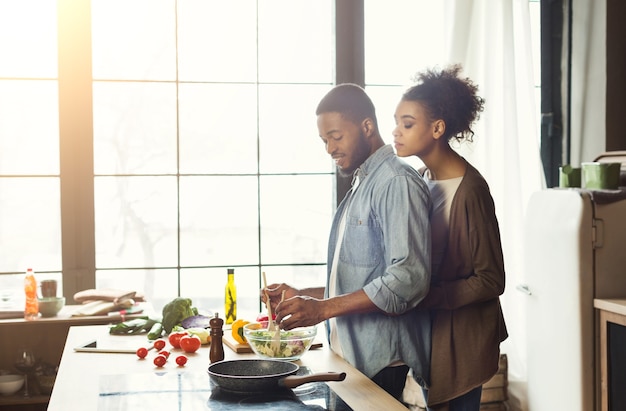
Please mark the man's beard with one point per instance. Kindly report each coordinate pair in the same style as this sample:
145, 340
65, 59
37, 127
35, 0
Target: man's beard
343, 173
358, 157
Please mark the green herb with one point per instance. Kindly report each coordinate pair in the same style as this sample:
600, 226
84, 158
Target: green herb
134, 326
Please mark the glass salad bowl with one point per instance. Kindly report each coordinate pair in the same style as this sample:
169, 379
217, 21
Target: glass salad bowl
290, 346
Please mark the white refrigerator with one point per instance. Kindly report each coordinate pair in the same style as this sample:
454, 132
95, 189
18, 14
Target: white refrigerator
574, 251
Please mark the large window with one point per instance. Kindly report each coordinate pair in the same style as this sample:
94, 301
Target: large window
205, 148
151, 144
30, 225
205, 152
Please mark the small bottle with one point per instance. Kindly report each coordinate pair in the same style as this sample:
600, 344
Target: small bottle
230, 304
216, 352
31, 309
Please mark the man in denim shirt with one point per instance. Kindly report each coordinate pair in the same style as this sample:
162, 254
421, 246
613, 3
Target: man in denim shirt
378, 252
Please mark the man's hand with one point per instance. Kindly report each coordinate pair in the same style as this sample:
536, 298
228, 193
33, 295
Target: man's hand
275, 292
300, 311
305, 310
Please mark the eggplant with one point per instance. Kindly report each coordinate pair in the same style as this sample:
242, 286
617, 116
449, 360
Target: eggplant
196, 321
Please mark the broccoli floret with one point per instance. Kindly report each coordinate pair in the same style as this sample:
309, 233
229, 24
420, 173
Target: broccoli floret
175, 312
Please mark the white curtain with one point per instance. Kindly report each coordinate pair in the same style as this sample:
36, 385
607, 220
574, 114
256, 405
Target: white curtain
492, 40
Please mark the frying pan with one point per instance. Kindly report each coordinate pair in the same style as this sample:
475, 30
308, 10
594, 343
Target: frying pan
255, 376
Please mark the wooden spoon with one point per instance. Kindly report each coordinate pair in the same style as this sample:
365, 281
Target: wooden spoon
276, 340
268, 304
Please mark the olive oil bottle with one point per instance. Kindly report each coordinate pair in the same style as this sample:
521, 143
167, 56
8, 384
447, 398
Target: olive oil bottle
230, 300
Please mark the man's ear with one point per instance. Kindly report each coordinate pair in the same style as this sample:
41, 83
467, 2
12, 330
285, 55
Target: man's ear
368, 127
439, 128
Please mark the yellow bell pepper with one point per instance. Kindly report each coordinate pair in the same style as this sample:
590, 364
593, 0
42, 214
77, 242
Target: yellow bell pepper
237, 331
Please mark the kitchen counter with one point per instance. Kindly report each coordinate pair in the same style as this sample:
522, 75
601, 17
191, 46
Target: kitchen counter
78, 381
617, 306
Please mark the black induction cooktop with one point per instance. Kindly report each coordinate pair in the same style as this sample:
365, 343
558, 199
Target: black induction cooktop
194, 391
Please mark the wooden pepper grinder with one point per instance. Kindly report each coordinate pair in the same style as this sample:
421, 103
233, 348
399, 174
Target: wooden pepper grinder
217, 348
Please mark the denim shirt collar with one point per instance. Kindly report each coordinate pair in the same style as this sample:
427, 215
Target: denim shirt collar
373, 162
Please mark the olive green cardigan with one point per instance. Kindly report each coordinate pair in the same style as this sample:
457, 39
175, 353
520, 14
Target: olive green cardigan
468, 324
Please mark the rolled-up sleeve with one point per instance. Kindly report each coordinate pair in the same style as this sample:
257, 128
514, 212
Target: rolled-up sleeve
402, 210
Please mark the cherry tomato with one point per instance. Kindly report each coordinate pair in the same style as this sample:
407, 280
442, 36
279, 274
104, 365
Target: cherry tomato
166, 354
174, 338
160, 360
190, 343
181, 360
142, 352
159, 344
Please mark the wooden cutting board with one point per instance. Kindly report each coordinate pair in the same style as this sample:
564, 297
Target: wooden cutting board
230, 342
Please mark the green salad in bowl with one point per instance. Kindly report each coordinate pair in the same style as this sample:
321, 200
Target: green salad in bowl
290, 347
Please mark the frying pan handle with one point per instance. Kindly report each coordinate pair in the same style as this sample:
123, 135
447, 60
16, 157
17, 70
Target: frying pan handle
294, 381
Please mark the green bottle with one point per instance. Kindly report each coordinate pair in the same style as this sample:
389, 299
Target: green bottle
230, 304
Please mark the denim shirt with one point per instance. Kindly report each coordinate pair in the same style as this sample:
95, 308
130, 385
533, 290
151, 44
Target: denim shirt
385, 252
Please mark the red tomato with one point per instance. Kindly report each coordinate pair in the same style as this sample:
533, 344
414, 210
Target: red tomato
190, 343
159, 344
160, 360
181, 360
263, 319
142, 352
174, 338
166, 354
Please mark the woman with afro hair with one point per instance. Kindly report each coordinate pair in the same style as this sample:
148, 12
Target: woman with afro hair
467, 262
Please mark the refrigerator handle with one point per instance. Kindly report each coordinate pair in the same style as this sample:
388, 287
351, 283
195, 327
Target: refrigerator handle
523, 288
597, 239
